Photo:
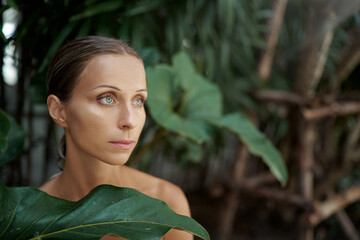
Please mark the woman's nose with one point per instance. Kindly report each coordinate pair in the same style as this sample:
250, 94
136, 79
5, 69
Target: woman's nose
127, 118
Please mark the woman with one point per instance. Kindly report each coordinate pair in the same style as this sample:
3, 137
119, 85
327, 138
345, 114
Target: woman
97, 91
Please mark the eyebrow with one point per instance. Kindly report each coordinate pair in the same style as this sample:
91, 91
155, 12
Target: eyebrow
116, 88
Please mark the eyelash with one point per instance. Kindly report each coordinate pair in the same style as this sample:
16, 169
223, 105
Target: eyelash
108, 95
142, 101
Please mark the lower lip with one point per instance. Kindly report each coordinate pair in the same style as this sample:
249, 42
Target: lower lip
124, 146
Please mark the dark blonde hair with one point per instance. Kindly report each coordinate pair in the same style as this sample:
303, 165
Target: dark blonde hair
71, 59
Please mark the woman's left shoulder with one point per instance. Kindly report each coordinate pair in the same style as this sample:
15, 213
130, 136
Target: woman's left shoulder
174, 197
164, 190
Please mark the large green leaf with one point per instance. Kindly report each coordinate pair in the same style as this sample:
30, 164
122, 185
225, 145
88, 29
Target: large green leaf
28, 213
5, 126
180, 99
256, 142
16, 141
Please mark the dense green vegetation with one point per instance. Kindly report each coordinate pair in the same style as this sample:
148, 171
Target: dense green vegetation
294, 75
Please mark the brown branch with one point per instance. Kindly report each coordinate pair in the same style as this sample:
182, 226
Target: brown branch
351, 156
320, 63
332, 110
280, 196
307, 161
342, 9
347, 225
351, 141
322, 18
333, 204
265, 64
348, 59
232, 200
280, 97
259, 180
332, 179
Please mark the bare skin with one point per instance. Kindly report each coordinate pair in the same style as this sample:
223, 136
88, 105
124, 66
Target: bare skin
107, 106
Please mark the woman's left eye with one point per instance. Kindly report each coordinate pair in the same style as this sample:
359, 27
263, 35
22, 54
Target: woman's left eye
139, 102
107, 100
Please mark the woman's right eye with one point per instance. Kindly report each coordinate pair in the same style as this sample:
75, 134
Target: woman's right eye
107, 100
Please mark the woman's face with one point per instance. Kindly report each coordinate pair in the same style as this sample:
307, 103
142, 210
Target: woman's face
105, 114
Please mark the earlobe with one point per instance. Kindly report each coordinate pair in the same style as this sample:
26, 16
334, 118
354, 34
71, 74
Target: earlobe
57, 110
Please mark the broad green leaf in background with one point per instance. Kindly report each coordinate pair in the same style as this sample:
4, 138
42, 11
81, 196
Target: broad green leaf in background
180, 99
28, 213
5, 126
256, 142
15, 140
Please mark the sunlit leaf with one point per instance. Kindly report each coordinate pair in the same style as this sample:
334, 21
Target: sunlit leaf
28, 213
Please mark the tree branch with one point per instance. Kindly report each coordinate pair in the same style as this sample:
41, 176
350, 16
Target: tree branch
333, 109
333, 204
280, 196
280, 97
264, 68
348, 59
347, 225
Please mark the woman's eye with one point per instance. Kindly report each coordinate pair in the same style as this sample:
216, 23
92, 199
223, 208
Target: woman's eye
107, 100
139, 102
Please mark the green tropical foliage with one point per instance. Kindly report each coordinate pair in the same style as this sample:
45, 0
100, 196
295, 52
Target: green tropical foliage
15, 142
225, 40
28, 213
186, 103
12, 138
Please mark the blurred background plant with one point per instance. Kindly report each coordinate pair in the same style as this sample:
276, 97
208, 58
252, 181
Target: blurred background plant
291, 67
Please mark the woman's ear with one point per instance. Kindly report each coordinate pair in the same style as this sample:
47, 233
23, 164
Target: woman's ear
57, 110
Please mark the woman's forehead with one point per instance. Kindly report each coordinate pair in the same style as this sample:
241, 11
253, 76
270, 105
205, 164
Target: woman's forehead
113, 69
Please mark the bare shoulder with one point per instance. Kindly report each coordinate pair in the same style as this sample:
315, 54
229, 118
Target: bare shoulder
168, 192
49, 186
161, 189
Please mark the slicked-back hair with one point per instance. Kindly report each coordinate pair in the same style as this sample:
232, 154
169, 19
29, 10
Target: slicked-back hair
71, 59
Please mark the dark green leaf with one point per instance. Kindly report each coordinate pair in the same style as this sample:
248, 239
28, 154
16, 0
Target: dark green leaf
5, 125
56, 44
96, 9
16, 141
256, 142
144, 7
28, 213
38, 92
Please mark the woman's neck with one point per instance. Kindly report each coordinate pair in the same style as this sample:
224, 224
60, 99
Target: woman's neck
79, 177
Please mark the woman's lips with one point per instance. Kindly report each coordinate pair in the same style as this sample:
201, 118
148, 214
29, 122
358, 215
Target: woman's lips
123, 144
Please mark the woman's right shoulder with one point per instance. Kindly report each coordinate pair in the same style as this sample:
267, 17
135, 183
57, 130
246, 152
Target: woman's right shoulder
48, 186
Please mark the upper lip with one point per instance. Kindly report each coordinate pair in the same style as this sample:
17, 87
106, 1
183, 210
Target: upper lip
123, 141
